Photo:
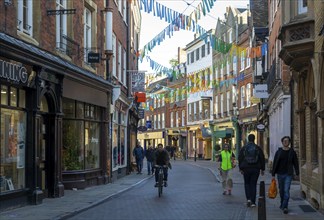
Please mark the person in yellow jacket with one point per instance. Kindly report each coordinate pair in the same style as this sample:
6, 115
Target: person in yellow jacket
226, 160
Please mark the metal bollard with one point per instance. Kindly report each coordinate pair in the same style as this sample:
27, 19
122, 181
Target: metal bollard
262, 215
261, 209
262, 189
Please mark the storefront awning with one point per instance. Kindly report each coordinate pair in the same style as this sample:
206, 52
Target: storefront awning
226, 133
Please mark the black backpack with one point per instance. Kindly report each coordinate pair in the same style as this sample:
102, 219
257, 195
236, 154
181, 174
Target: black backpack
251, 154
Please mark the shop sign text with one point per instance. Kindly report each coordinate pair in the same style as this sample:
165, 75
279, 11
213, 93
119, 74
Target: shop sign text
13, 72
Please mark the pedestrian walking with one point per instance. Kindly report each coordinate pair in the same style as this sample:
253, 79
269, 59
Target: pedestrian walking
149, 154
284, 163
173, 152
226, 160
138, 153
251, 164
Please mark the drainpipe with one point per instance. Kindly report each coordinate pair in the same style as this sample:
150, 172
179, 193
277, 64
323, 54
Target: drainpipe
109, 53
291, 85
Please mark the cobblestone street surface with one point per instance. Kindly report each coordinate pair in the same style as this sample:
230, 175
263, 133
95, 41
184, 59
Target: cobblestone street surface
193, 193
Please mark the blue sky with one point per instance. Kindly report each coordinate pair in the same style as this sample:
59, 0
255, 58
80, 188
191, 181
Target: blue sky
152, 25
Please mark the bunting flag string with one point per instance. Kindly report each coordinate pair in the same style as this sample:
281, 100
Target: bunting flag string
158, 67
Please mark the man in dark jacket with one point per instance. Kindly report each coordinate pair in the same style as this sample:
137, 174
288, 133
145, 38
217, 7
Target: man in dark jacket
138, 153
149, 154
284, 163
161, 158
251, 164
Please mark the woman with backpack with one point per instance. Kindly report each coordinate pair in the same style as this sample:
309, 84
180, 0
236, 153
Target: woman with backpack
251, 164
226, 159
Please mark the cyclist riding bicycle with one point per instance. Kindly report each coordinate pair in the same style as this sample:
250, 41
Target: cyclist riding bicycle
161, 158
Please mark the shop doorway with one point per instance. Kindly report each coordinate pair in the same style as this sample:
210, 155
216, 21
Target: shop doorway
45, 151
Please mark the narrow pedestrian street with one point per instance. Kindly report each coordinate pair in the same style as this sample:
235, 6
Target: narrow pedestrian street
194, 192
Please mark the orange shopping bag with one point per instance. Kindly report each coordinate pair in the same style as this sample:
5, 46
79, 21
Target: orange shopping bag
272, 192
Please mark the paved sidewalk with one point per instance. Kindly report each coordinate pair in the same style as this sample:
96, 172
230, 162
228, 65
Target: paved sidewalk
296, 203
76, 201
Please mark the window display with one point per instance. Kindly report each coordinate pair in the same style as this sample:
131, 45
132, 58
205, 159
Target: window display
73, 156
13, 139
118, 140
12, 154
81, 135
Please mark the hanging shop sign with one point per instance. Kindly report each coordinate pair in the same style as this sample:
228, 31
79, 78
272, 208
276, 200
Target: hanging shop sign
149, 124
142, 128
93, 57
13, 72
141, 113
261, 127
261, 91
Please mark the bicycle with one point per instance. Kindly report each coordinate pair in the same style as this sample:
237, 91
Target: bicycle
160, 178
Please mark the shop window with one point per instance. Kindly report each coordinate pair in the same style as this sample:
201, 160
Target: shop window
79, 110
69, 108
81, 139
12, 151
73, 145
22, 98
115, 145
92, 145
44, 105
4, 95
13, 97
121, 151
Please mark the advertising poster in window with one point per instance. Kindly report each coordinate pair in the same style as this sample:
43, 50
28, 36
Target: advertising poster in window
21, 145
21, 155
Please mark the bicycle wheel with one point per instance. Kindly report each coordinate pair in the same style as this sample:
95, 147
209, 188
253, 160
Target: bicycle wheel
160, 188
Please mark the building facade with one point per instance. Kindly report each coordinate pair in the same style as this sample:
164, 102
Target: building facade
49, 129
200, 93
156, 114
176, 133
302, 51
70, 100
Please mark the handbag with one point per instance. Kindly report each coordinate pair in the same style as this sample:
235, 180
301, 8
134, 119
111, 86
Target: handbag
233, 163
272, 192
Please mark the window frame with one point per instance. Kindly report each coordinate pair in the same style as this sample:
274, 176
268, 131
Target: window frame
61, 24
25, 17
87, 32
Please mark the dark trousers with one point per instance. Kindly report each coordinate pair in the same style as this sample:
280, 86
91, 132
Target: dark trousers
165, 173
251, 176
150, 167
139, 165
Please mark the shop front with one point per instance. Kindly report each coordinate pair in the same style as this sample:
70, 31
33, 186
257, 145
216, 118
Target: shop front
154, 138
84, 135
53, 137
203, 136
192, 141
223, 133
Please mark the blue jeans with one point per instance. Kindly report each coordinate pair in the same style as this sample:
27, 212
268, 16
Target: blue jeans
149, 167
139, 165
251, 176
284, 182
